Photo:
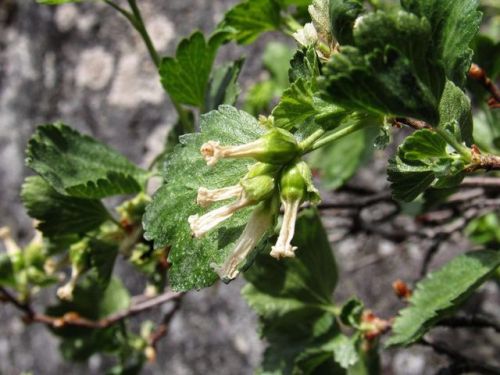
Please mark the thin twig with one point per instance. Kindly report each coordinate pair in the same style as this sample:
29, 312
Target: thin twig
479, 74
73, 319
486, 182
412, 123
462, 364
474, 321
162, 329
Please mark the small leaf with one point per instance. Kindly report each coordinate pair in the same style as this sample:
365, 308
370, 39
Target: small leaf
455, 107
60, 214
166, 218
250, 18
78, 165
420, 160
185, 77
441, 292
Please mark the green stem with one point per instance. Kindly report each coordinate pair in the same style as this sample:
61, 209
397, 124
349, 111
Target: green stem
306, 144
137, 21
122, 11
332, 137
332, 309
460, 148
291, 24
141, 28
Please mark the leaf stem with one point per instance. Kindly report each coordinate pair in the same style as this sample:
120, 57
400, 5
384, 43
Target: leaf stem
461, 149
291, 24
137, 21
141, 28
332, 137
306, 144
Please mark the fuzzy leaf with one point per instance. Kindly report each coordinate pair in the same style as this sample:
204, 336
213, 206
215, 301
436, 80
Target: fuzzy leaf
60, 214
78, 165
165, 221
441, 292
455, 107
185, 77
250, 18
454, 25
291, 297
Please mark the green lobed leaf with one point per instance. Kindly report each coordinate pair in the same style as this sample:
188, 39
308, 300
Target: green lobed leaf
166, 218
441, 292
389, 72
454, 25
250, 18
291, 297
186, 76
60, 214
77, 165
420, 160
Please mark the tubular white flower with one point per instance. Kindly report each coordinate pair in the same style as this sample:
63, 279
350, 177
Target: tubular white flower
276, 146
307, 36
212, 151
206, 197
260, 221
203, 224
283, 247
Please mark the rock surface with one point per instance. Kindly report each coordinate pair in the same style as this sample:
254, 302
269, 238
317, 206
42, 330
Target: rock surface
82, 64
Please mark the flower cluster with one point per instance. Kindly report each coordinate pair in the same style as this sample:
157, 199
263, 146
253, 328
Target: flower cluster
278, 175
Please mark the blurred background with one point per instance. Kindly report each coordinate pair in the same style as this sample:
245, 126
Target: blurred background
84, 65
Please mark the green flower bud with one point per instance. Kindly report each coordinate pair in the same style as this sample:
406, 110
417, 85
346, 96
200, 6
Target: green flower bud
277, 146
258, 188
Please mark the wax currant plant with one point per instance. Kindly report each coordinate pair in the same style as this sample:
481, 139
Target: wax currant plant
240, 193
